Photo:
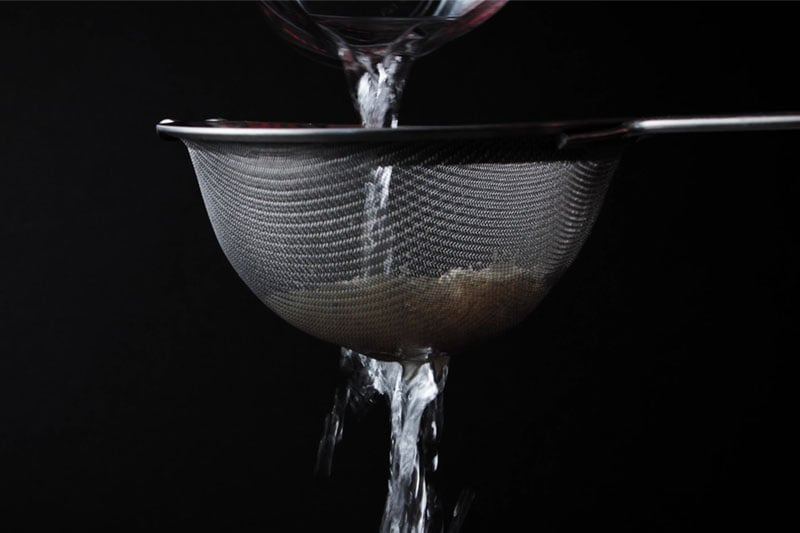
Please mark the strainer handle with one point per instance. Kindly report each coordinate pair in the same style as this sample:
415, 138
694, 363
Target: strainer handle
652, 126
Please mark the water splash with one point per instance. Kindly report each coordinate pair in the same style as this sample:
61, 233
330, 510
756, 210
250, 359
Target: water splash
413, 390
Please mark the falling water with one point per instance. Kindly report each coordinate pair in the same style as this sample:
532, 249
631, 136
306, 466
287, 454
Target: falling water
412, 389
376, 239
376, 78
376, 85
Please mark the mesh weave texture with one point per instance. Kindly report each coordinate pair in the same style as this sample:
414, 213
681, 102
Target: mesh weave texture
469, 238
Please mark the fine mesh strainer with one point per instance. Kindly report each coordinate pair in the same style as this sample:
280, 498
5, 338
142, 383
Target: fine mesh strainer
415, 240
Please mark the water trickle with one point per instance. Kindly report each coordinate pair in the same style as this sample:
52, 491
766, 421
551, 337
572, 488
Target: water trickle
377, 241
376, 85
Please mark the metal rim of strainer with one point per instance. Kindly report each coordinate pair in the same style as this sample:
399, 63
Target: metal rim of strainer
564, 132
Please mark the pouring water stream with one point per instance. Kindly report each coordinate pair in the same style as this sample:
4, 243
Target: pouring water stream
413, 387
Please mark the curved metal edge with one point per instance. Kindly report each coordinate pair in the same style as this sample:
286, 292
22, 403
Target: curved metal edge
565, 133
208, 131
164, 134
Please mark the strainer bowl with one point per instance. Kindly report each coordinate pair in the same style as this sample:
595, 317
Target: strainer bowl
409, 241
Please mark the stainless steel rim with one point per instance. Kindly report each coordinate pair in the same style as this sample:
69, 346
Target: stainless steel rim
564, 132
243, 131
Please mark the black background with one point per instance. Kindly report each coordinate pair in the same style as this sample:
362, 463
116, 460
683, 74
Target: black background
143, 386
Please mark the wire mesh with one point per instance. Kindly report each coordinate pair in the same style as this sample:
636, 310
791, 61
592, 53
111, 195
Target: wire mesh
400, 248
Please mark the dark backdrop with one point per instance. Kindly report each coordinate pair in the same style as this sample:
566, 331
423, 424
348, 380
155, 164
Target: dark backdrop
142, 385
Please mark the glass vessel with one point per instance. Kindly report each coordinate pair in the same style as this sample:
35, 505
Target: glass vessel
376, 42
